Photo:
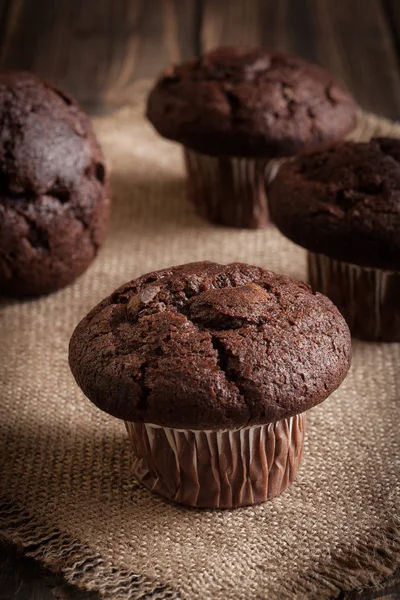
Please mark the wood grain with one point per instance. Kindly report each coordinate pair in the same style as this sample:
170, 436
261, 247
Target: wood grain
22, 578
392, 11
97, 50
357, 45
352, 39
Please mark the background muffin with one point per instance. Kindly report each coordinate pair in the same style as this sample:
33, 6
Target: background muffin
343, 205
235, 109
54, 193
212, 367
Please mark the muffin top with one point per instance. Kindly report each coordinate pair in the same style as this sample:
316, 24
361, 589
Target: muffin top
250, 102
52, 173
343, 202
209, 346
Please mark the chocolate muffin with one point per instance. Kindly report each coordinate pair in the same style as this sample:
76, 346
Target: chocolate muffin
54, 193
234, 110
212, 368
343, 206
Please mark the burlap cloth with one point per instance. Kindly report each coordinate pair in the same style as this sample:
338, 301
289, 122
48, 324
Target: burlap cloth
66, 488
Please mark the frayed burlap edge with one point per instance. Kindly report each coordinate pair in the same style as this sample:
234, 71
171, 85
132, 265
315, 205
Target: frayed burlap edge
80, 565
363, 562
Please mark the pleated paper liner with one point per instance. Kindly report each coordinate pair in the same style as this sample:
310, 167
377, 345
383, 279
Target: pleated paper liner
369, 299
218, 469
67, 491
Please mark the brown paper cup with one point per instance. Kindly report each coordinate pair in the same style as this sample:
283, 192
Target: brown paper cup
230, 190
218, 469
369, 299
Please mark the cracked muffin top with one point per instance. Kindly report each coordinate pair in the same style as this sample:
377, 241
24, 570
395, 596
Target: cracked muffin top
343, 202
209, 346
54, 196
242, 102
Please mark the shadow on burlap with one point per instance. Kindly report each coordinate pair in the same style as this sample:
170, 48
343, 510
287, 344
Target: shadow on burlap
66, 489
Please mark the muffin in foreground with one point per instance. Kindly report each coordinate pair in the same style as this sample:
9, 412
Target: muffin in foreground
212, 368
54, 194
343, 205
234, 111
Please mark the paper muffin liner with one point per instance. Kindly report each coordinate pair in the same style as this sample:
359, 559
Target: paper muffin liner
230, 190
218, 469
369, 299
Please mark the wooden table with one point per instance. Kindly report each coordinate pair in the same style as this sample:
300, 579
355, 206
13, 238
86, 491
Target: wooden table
99, 49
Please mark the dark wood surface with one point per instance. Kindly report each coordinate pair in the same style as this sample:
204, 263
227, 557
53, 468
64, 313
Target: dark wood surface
99, 49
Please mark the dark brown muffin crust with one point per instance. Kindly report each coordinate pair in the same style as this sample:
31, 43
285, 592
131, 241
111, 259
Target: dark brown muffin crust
54, 195
254, 103
343, 202
209, 346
